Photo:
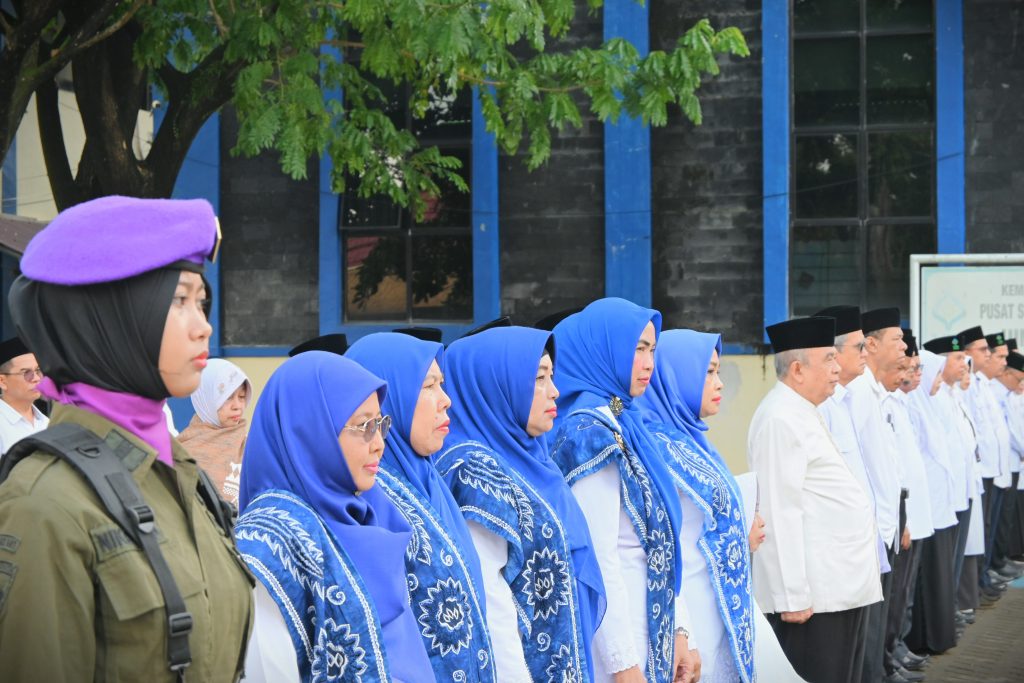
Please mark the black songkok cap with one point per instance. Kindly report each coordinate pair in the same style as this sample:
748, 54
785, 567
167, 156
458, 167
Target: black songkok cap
995, 340
879, 319
548, 322
847, 318
503, 321
802, 333
944, 344
969, 336
1011, 344
911, 341
12, 348
332, 343
1015, 361
430, 334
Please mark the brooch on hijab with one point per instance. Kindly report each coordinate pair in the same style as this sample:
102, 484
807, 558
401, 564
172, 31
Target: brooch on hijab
616, 405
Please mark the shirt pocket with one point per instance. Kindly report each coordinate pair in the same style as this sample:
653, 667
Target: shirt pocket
129, 583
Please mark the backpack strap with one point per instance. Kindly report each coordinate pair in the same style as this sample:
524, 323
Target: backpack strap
107, 475
222, 511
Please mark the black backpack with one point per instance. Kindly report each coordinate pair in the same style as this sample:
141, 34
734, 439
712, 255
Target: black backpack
112, 481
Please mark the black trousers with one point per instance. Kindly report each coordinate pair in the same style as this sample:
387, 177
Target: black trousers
933, 629
1008, 537
878, 616
963, 523
903, 566
993, 507
828, 647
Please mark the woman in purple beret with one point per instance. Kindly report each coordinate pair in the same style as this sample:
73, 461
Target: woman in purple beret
111, 301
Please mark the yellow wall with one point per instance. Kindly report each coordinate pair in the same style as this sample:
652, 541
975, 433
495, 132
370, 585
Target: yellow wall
747, 379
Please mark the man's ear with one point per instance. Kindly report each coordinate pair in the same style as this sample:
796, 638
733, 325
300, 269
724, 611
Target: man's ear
871, 344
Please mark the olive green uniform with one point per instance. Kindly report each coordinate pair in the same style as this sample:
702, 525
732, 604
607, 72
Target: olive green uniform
79, 601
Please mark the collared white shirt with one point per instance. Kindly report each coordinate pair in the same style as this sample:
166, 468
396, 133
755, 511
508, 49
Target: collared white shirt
943, 461
820, 550
14, 427
915, 478
993, 436
1013, 411
836, 413
878, 447
964, 433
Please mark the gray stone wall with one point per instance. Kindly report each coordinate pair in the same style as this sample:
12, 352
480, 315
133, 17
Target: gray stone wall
552, 220
994, 135
706, 185
269, 256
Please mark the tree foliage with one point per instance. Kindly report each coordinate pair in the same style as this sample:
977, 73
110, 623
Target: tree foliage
275, 60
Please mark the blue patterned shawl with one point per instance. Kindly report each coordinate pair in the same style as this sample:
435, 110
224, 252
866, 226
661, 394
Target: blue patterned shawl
443, 569
596, 348
671, 408
293, 446
505, 481
325, 605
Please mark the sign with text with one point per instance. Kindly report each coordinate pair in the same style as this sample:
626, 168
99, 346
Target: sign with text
955, 298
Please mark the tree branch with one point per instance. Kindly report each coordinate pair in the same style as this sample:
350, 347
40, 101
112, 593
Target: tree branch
221, 28
72, 49
7, 28
51, 137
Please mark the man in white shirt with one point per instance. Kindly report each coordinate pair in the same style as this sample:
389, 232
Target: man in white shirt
817, 570
883, 340
19, 377
993, 442
1004, 385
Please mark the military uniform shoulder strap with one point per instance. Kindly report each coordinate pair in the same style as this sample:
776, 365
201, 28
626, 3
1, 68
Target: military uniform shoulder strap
107, 475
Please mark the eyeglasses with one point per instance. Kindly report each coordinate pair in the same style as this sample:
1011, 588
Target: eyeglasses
372, 426
859, 346
28, 374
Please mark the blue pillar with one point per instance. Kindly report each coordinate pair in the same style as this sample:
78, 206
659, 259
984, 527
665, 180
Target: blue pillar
329, 285
486, 247
627, 176
949, 126
775, 144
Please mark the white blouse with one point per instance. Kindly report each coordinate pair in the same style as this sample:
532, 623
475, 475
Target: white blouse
502, 617
271, 656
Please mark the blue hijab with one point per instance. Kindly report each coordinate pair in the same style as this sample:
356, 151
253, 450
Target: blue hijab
403, 361
293, 447
493, 376
677, 387
441, 561
596, 348
671, 407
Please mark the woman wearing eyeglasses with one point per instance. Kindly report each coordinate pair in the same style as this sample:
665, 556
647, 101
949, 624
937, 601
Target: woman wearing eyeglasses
19, 378
326, 545
545, 595
443, 571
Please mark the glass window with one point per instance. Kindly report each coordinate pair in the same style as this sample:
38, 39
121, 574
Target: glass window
401, 270
863, 149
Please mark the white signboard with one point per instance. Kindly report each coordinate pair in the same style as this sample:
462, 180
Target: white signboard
954, 298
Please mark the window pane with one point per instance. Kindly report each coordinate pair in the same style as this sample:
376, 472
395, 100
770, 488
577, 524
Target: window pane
448, 116
826, 15
370, 212
888, 262
442, 277
451, 208
899, 14
900, 79
824, 268
900, 174
375, 277
826, 82
826, 176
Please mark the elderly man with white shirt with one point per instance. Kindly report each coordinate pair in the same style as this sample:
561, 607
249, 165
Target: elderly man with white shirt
817, 570
993, 442
19, 377
883, 339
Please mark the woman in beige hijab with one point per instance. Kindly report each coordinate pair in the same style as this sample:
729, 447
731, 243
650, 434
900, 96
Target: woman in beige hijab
216, 435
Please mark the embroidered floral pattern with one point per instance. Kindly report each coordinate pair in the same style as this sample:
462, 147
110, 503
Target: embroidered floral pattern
338, 655
547, 583
441, 591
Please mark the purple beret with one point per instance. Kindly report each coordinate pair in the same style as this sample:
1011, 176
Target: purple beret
115, 238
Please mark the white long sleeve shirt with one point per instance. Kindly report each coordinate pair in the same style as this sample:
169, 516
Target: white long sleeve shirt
915, 478
993, 436
820, 551
502, 617
878, 447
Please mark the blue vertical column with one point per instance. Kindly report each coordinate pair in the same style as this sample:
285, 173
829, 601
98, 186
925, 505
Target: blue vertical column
949, 126
627, 176
8, 264
775, 147
486, 246
329, 285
